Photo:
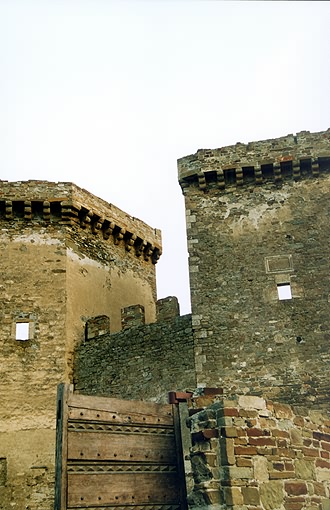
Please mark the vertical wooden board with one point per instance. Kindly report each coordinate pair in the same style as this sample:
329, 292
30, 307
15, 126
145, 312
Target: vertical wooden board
122, 489
63, 393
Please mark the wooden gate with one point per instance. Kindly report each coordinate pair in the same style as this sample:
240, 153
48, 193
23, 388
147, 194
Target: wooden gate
117, 454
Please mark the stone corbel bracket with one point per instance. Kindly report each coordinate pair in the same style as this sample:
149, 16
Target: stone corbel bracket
70, 214
303, 156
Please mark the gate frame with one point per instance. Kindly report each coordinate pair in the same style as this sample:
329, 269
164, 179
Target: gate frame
182, 441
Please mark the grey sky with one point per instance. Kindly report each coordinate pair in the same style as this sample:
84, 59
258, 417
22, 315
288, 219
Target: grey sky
108, 94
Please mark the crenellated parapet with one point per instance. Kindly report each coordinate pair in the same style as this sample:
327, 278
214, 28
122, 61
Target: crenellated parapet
66, 204
303, 156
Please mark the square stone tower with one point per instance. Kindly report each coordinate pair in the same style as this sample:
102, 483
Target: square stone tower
258, 226
66, 257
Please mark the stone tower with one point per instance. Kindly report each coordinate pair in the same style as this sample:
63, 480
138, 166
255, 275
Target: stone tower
66, 257
258, 226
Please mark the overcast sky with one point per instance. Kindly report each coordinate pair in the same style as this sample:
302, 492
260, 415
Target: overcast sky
109, 94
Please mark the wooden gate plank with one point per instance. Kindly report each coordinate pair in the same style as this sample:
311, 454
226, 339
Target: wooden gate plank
121, 447
120, 406
122, 489
116, 416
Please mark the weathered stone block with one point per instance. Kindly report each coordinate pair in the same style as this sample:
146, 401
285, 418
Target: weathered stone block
251, 495
272, 495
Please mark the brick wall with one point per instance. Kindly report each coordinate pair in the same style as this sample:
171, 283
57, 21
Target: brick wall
253, 454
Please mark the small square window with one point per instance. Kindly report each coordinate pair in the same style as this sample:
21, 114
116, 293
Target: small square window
284, 291
22, 331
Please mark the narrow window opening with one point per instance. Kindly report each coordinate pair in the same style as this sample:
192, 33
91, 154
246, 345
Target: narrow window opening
22, 331
284, 291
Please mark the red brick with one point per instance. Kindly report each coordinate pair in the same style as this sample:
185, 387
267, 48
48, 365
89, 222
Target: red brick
310, 452
322, 463
321, 436
262, 441
278, 466
248, 413
325, 446
295, 488
230, 411
254, 432
325, 455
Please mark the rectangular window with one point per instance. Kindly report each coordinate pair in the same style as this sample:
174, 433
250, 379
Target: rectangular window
284, 291
22, 331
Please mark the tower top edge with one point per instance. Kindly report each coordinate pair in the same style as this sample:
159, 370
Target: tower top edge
302, 146
68, 192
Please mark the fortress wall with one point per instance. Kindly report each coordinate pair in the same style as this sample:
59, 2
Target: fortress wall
144, 362
245, 240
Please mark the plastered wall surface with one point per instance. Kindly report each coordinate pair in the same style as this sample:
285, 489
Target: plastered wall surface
247, 237
30, 370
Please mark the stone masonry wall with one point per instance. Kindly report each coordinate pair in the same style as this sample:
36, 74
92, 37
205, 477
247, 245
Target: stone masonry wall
258, 219
253, 454
66, 256
144, 362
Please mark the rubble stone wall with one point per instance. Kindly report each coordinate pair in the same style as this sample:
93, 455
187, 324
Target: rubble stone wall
258, 220
144, 362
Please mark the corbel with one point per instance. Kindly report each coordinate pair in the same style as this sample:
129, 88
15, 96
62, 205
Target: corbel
277, 172
27, 210
66, 211
221, 179
139, 248
202, 180
258, 174
296, 168
148, 252
8, 209
46, 210
131, 238
239, 176
119, 236
97, 225
315, 167
156, 255
108, 230
86, 219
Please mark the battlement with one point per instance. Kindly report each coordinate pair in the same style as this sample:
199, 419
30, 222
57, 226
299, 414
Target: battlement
64, 203
305, 155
